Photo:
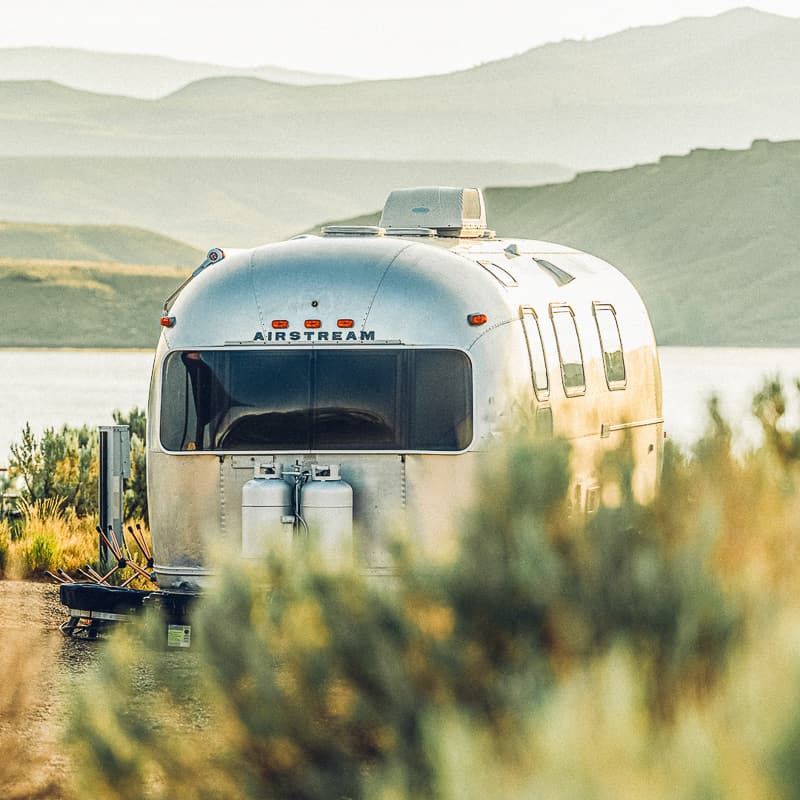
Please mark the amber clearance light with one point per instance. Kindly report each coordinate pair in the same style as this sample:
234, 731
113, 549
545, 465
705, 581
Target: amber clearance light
167, 322
280, 323
345, 323
477, 319
313, 323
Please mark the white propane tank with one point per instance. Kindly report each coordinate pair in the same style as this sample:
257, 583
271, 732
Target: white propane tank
267, 517
327, 508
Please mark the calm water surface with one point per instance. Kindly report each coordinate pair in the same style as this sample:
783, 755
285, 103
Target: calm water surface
691, 375
50, 388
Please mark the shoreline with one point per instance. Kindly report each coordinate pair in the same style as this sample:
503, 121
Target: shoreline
50, 349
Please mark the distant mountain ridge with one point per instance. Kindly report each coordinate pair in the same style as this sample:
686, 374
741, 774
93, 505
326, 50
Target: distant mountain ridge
710, 239
132, 75
626, 98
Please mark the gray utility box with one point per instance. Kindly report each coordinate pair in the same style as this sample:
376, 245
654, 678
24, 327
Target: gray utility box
115, 467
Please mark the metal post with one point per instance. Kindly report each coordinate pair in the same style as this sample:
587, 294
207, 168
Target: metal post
115, 466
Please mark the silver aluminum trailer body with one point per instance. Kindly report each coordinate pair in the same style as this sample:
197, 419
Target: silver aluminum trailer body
400, 356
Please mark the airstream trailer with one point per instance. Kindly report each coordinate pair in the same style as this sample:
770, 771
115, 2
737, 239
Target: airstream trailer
322, 389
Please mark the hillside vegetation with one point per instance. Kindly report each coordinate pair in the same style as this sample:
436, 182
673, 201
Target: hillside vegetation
711, 239
622, 99
93, 243
219, 202
82, 304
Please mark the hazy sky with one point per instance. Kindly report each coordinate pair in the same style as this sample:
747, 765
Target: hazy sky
355, 37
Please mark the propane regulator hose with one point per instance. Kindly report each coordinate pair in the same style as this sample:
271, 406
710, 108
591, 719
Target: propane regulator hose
299, 480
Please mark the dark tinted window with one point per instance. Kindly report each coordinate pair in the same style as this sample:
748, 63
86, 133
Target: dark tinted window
569, 350
317, 400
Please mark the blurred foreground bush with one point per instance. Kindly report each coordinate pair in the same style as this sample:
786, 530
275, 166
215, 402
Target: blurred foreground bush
642, 652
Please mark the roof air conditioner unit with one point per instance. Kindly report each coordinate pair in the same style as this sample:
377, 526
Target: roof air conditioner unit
450, 211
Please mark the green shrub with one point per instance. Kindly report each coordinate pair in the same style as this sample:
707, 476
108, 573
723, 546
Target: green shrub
64, 464
40, 554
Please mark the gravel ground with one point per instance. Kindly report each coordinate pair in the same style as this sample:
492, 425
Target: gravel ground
48, 666
40, 667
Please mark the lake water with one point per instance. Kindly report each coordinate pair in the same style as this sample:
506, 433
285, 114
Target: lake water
690, 376
50, 388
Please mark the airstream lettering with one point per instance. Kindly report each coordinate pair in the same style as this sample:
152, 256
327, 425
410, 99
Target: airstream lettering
321, 391
314, 336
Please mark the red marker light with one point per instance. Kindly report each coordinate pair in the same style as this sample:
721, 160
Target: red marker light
345, 323
280, 323
313, 323
477, 319
168, 322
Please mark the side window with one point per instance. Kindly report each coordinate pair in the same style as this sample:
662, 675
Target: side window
533, 336
569, 350
613, 357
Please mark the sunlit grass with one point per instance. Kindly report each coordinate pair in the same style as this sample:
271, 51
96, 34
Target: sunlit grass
58, 270
48, 537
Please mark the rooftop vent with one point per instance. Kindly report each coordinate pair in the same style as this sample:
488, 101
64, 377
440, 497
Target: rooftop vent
448, 210
352, 230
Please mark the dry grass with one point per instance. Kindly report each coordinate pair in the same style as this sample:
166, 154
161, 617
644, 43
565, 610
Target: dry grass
49, 538
53, 270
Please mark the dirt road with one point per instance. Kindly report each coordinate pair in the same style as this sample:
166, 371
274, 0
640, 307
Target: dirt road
40, 669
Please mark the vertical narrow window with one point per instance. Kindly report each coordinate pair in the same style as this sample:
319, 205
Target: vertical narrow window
613, 357
533, 337
569, 350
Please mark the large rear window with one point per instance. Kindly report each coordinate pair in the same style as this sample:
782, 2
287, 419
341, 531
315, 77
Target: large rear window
311, 400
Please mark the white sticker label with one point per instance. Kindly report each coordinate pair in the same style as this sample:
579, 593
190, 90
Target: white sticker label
179, 636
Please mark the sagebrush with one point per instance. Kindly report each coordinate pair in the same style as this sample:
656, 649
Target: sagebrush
641, 652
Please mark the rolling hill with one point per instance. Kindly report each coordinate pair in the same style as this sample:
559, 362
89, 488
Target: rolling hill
710, 239
630, 97
66, 303
235, 202
133, 75
121, 244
